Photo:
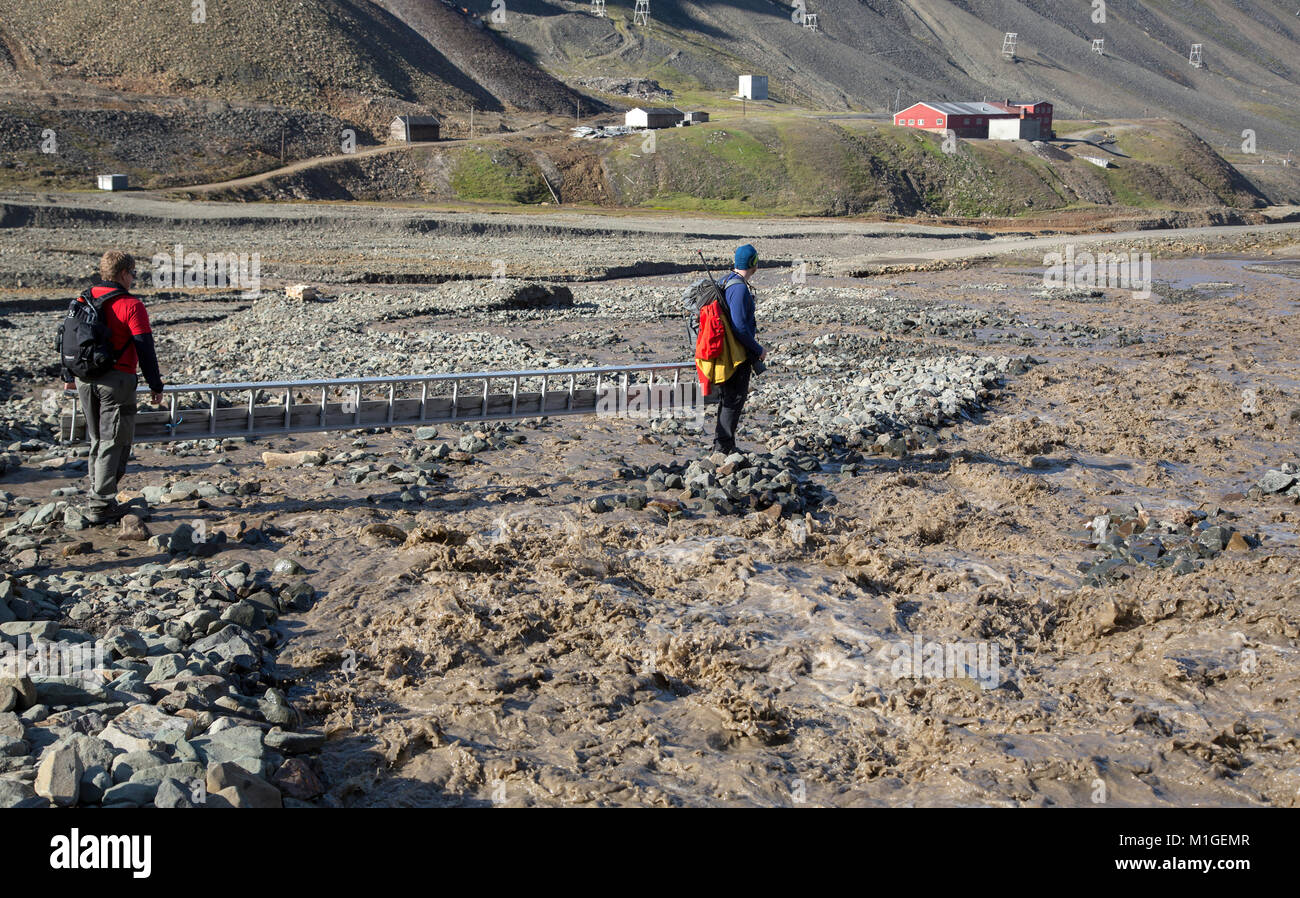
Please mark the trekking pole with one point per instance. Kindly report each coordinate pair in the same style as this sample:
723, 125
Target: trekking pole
705, 264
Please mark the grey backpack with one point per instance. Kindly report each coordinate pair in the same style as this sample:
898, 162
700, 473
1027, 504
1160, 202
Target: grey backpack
697, 296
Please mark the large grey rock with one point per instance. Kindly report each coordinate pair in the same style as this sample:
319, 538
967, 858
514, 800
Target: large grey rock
96, 757
130, 794
75, 519
294, 743
141, 726
12, 792
127, 765
233, 645
181, 540
14, 748
166, 667
297, 596
128, 644
45, 630
276, 709
58, 777
11, 726
242, 745
68, 691
25, 689
173, 793
36, 713
245, 614
230, 785
94, 784
287, 566
1276, 481
183, 771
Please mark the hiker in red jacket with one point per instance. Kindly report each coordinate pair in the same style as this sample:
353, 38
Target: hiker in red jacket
109, 401
739, 305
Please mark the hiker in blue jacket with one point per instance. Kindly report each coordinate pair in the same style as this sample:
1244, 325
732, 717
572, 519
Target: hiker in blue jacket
739, 306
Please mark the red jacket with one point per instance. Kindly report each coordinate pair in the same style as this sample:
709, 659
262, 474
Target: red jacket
128, 326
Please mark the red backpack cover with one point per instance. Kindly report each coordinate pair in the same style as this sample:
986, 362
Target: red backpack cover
708, 345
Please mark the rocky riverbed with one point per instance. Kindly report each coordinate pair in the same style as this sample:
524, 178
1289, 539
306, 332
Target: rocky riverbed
981, 545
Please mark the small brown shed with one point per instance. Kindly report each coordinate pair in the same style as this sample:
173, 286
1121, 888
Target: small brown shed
413, 129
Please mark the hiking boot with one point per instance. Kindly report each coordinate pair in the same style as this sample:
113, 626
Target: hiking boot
99, 516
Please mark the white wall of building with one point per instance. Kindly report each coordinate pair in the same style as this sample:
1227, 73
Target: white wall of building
753, 87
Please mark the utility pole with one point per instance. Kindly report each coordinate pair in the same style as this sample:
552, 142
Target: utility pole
471, 121
282, 145
577, 116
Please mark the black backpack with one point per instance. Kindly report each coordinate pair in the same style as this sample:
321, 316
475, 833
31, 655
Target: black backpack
697, 296
84, 342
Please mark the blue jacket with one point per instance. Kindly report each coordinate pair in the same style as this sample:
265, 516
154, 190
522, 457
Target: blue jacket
740, 309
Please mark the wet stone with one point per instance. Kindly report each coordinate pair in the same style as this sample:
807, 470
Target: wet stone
1276, 481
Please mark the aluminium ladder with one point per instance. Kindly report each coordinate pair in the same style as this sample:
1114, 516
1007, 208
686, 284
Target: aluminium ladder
206, 411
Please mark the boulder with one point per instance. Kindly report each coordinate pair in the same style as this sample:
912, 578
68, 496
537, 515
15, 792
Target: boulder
58, 777
130, 795
1276, 481
182, 771
230, 785
231, 644
68, 691
140, 726
297, 596
173, 793
297, 779
294, 743
11, 726
241, 745
292, 459
125, 766
276, 709
380, 535
132, 529
14, 792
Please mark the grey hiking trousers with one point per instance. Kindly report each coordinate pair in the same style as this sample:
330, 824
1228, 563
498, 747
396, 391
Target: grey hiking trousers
109, 405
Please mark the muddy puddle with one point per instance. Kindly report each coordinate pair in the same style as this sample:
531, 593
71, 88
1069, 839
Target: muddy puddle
926, 638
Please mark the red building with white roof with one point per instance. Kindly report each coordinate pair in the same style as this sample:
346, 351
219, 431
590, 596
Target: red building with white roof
972, 119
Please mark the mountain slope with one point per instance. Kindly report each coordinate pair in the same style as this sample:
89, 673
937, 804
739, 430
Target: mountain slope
867, 52
326, 55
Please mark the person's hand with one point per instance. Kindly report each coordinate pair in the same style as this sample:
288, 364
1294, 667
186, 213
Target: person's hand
762, 357
156, 398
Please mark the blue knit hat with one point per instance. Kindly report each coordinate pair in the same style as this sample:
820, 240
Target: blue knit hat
746, 257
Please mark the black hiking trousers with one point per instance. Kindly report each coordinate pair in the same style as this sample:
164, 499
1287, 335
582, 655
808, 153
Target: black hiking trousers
733, 391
